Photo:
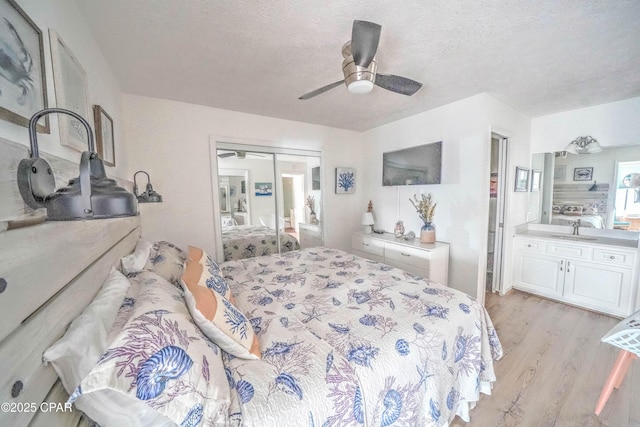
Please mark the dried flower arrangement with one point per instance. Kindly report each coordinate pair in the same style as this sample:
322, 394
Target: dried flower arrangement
311, 203
424, 206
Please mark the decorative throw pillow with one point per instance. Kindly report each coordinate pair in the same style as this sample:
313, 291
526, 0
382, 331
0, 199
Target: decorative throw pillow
136, 261
209, 274
159, 370
218, 318
228, 221
166, 260
573, 210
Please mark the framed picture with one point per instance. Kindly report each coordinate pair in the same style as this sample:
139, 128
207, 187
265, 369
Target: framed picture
583, 174
560, 173
522, 179
345, 180
315, 178
264, 188
104, 135
23, 89
70, 81
535, 179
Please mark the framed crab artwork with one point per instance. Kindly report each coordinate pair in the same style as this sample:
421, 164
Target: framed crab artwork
23, 90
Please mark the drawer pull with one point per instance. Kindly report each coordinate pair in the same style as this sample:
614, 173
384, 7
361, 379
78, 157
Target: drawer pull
529, 245
568, 266
3, 285
612, 257
365, 244
403, 254
16, 389
561, 264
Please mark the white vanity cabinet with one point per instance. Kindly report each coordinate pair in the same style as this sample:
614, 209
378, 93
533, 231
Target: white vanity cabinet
427, 260
597, 277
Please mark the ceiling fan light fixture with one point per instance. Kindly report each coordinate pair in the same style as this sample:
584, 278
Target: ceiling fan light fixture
360, 86
584, 145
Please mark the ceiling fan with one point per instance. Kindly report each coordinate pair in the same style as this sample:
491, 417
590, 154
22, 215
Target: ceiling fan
359, 65
238, 154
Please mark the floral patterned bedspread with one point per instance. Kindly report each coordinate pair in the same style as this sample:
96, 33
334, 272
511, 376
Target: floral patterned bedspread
247, 241
347, 342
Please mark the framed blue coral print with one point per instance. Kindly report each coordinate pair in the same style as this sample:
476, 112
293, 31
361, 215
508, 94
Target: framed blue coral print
345, 180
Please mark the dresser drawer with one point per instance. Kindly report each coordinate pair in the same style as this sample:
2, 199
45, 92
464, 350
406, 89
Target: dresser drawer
529, 245
364, 244
566, 250
614, 257
408, 255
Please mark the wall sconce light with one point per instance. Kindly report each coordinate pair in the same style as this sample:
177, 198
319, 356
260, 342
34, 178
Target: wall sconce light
584, 145
90, 196
149, 195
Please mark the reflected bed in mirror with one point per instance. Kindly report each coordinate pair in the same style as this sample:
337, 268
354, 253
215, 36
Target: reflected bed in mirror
601, 189
250, 228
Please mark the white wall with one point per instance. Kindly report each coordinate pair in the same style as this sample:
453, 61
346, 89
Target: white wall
64, 17
462, 213
615, 123
170, 140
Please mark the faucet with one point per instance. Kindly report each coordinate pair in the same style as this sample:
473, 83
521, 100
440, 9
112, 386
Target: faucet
576, 227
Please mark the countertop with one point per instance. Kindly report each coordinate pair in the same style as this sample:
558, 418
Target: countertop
587, 239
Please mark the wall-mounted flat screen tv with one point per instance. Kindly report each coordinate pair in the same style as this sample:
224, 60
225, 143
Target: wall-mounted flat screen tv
421, 165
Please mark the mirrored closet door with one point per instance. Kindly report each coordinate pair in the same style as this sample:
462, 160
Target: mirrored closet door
270, 199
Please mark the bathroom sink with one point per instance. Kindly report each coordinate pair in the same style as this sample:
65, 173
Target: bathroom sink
574, 238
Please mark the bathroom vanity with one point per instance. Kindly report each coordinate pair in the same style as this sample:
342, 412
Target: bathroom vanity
594, 271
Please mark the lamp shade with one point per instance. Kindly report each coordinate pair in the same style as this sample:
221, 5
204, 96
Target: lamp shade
367, 218
367, 222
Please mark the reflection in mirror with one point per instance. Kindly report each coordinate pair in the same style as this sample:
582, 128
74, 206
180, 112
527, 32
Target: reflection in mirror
601, 189
224, 197
266, 194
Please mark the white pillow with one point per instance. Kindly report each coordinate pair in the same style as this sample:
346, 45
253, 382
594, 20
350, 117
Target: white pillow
159, 370
135, 262
75, 354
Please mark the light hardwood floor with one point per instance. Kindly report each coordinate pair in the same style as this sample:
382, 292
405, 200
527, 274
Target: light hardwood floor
553, 368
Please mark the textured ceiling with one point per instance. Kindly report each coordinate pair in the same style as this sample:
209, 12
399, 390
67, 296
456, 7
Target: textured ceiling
540, 57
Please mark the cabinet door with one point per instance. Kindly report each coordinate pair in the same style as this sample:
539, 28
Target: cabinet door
604, 288
539, 274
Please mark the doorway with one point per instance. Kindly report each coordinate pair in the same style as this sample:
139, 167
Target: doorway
497, 202
293, 201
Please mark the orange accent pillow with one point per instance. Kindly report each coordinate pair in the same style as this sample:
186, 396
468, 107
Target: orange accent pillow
211, 276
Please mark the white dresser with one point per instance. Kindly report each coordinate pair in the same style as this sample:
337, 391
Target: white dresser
310, 235
427, 260
594, 276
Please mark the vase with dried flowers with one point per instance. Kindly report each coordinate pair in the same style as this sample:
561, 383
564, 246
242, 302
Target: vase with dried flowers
425, 206
311, 204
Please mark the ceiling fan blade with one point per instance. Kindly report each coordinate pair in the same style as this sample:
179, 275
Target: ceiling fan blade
224, 155
364, 42
321, 90
397, 84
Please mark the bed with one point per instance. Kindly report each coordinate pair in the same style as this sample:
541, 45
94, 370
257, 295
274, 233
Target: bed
246, 241
344, 340
590, 221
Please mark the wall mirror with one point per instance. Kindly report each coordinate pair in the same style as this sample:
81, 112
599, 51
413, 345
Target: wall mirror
601, 189
273, 197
